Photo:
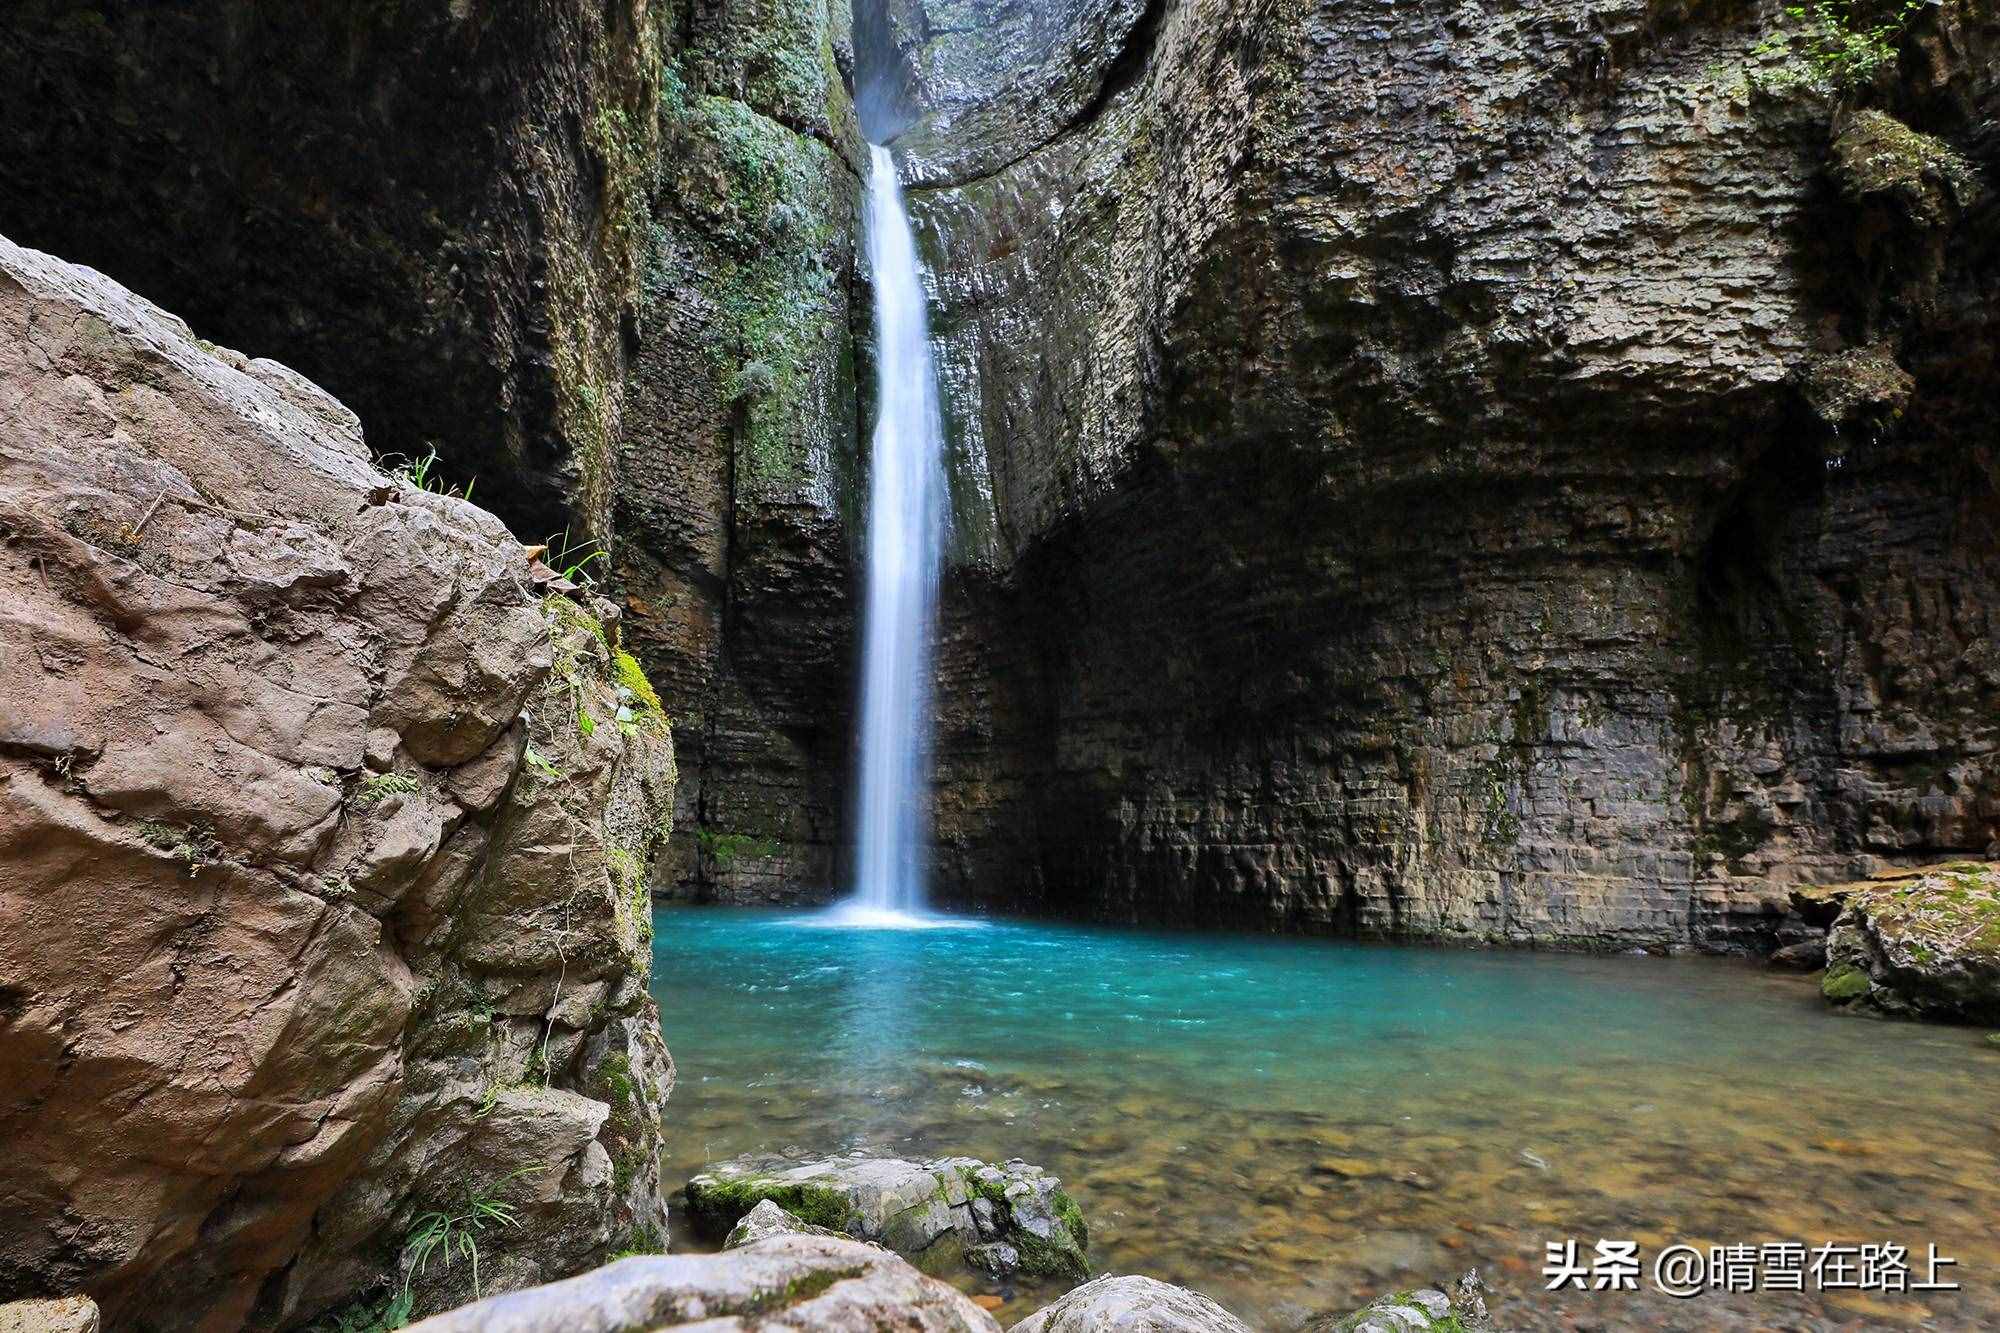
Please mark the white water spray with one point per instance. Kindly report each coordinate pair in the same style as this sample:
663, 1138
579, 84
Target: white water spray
906, 530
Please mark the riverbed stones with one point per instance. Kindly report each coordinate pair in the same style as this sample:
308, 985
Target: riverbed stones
1029, 1224
1132, 1304
782, 1281
1920, 944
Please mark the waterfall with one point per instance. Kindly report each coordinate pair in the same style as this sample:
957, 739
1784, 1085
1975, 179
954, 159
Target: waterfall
905, 548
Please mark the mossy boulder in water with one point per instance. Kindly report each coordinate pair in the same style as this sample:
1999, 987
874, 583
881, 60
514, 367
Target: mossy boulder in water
1003, 1220
1920, 944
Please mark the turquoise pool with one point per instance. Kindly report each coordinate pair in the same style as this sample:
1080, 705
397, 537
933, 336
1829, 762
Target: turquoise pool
1290, 1125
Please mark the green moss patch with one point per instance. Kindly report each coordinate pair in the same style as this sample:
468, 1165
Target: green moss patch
1844, 983
715, 1205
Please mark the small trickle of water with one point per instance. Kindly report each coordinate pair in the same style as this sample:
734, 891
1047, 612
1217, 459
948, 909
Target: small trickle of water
906, 522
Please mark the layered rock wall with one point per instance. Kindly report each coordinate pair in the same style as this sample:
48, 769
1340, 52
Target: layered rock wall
1478, 473
325, 824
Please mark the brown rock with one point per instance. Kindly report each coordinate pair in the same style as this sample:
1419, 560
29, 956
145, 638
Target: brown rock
229, 1051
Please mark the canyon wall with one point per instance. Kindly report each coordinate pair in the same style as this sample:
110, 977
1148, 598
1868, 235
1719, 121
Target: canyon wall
1505, 474
326, 820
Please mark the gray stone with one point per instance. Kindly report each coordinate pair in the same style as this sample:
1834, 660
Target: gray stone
1131, 1305
766, 1220
1032, 1226
783, 1281
249, 895
1922, 944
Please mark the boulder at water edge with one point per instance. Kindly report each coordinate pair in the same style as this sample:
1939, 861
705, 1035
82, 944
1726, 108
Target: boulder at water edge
1006, 1219
1920, 944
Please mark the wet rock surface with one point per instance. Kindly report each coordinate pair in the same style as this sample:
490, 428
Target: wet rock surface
1007, 1219
1924, 944
786, 1281
325, 826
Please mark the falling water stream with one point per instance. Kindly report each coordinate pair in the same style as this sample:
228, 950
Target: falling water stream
906, 524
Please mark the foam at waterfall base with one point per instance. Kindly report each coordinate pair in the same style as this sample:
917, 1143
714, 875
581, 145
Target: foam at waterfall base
853, 915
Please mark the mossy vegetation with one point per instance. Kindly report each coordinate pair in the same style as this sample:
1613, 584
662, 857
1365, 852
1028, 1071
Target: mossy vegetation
775, 210
193, 845
723, 850
715, 1205
1844, 983
1952, 908
379, 787
1876, 154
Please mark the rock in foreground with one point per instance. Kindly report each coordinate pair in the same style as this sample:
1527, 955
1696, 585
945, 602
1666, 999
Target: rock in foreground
1920, 944
1006, 1219
1132, 1305
789, 1281
325, 835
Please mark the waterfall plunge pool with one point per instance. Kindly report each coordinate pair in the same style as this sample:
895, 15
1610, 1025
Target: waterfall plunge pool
1294, 1124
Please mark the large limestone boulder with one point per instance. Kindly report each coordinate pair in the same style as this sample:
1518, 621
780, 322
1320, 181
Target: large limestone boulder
324, 828
1919, 944
785, 1281
1006, 1219
1132, 1305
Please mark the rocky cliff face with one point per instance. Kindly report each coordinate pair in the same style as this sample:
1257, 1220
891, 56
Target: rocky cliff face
325, 824
1492, 474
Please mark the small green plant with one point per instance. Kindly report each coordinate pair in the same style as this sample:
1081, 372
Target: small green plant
539, 765
1835, 46
382, 786
573, 559
191, 845
451, 1234
724, 848
420, 474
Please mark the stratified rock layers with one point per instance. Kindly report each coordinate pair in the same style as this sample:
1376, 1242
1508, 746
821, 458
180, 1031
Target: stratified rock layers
1489, 475
323, 845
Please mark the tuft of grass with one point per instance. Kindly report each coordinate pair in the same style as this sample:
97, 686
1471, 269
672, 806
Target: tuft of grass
421, 474
573, 559
450, 1234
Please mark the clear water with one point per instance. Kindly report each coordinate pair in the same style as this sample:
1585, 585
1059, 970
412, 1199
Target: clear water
906, 521
1290, 1125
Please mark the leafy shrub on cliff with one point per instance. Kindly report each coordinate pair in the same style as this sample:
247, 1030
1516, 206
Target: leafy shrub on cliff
1835, 47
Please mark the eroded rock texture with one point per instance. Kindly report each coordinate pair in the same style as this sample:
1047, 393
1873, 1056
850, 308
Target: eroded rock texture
1472, 472
325, 821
